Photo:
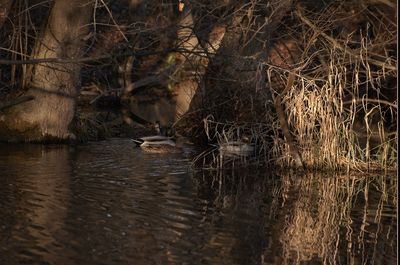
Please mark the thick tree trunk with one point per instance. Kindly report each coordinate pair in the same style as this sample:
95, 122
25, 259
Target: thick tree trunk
195, 59
187, 71
54, 86
237, 65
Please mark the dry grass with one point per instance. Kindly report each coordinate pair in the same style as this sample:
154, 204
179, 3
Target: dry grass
339, 114
341, 109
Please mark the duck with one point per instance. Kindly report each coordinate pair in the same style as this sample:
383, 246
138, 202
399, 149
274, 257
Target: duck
236, 148
157, 143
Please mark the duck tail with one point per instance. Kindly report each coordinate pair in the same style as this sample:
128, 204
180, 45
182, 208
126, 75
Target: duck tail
138, 141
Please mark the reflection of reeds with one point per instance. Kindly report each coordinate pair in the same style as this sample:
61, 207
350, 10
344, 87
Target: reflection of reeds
314, 224
315, 218
332, 217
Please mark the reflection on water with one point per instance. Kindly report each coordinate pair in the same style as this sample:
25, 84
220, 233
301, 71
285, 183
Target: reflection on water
108, 203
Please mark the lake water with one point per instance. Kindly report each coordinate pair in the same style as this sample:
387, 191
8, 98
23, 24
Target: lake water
110, 203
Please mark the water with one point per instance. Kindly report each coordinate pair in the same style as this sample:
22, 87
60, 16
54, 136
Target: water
108, 203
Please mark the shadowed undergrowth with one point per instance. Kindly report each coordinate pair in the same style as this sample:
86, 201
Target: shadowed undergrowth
340, 107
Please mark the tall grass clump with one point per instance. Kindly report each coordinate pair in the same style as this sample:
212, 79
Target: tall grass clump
341, 109
330, 96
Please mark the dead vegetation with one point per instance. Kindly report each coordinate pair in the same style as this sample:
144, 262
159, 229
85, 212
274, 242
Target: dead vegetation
340, 110
309, 84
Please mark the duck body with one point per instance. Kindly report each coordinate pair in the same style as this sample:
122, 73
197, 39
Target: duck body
236, 148
161, 143
153, 140
157, 144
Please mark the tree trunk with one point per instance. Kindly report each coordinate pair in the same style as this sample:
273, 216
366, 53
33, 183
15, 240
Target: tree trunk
54, 86
239, 63
195, 59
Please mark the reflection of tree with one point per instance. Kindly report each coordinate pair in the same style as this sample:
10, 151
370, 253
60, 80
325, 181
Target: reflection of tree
331, 220
41, 182
371, 221
107, 207
234, 213
314, 223
109, 223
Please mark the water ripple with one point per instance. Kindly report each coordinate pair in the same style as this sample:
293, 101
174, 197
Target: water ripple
111, 203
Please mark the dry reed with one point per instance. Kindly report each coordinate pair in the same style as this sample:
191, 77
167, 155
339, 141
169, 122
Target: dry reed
340, 110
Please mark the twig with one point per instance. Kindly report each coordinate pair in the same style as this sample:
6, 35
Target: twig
347, 50
371, 100
113, 20
84, 59
385, 2
150, 80
284, 124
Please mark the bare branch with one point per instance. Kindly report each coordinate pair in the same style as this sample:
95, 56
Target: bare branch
347, 50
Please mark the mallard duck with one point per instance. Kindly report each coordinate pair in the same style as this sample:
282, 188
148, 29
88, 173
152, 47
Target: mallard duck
157, 143
236, 148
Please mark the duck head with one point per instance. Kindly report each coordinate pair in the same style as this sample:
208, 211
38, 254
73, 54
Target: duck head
167, 131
